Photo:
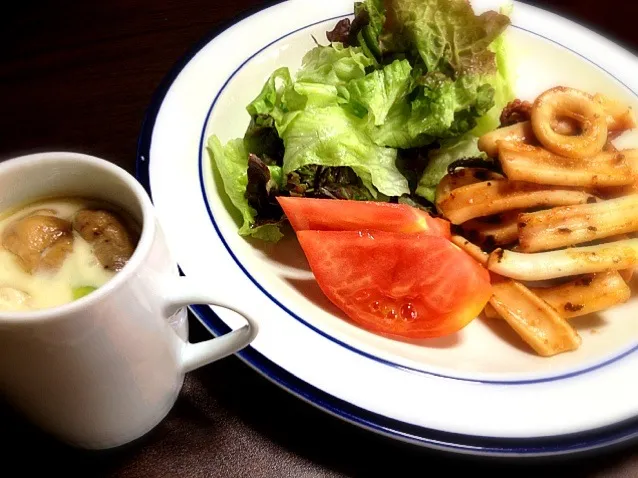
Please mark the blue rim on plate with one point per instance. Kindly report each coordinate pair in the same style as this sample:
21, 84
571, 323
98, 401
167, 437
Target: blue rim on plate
572, 443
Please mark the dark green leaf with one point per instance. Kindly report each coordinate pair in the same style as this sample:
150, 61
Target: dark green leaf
447, 34
262, 139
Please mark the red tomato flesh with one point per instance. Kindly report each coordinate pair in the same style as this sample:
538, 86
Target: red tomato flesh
349, 215
406, 285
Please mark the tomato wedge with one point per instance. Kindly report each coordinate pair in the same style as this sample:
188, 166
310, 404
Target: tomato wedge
349, 215
406, 285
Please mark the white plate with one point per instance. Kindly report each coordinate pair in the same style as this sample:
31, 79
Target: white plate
480, 391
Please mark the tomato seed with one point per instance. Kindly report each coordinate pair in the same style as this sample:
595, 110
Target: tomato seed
408, 312
392, 314
375, 306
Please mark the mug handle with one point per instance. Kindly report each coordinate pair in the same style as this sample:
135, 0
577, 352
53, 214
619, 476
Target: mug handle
182, 292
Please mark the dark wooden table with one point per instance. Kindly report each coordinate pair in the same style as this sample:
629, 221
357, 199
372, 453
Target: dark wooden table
78, 75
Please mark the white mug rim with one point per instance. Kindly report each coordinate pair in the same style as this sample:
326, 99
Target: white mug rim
141, 251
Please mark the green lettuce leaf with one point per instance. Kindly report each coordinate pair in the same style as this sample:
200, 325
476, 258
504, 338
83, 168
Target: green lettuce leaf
446, 108
410, 74
269, 100
231, 162
503, 83
368, 26
440, 159
441, 108
332, 136
280, 96
393, 133
333, 65
465, 146
377, 92
276, 174
315, 95
447, 34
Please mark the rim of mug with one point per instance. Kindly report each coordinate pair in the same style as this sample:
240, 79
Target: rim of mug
118, 280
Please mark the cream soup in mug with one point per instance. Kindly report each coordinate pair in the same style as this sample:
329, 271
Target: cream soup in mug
57, 250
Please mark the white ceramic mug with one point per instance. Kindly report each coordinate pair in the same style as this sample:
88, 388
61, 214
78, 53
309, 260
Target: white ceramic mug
104, 370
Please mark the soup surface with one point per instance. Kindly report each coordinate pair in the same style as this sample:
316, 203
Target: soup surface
57, 250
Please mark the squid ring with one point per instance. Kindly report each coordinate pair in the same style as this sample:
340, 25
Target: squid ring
559, 103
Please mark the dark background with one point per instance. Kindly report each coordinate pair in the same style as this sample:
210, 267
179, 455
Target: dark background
78, 75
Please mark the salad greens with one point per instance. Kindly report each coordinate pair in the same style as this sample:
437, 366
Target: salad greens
440, 159
379, 113
232, 161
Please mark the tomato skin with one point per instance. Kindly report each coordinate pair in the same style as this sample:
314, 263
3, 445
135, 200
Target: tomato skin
402, 285
349, 215
440, 227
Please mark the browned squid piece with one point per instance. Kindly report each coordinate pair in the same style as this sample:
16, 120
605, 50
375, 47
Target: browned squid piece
470, 248
519, 132
617, 255
619, 117
499, 195
627, 274
497, 230
533, 319
585, 295
522, 162
570, 225
562, 103
463, 177
631, 156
